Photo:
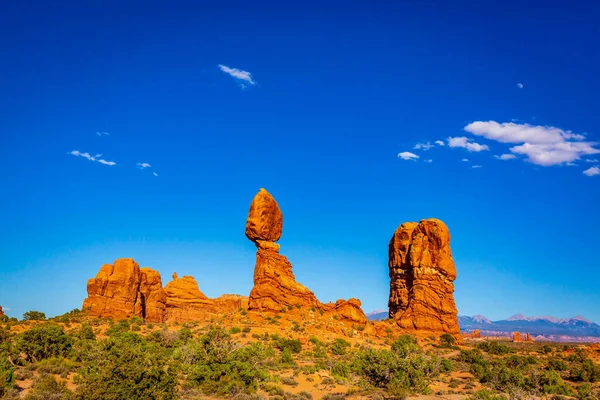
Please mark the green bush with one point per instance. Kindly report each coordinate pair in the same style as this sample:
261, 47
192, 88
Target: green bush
292, 345
125, 366
552, 383
405, 345
46, 387
495, 348
219, 366
234, 330
34, 316
56, 366
486, 395
44, 341
7, 375
339, 347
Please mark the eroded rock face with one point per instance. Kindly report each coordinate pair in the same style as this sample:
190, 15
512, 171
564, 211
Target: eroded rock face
1, 312
275, 286
115, 291
422, 273
124, 290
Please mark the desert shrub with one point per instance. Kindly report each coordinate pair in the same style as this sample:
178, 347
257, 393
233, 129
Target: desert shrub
486, 395
7, 375
292, 345
120, 327
219, 366
234, 330
286, 357
34, 316
74, 315
46, 387
405, 345
447, 340
586, 371
85, 333
44, 341
272, 390
246, 329
341, 369
585, 392
125, 366
55, 365
552, 383
339, 347
333, 396
495, 348
289, 380
557, 364
394, 372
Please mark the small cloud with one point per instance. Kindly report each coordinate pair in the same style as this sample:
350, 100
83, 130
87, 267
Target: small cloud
572, 164
439, 143
520, 85
505, 157
143, 165
102, 133
88, 156
244, 78
408, 156
476, 166
155, 174
111, 163
98, 155
592, 171
423, 146
592, 160
466, 143
428, 160
465, 160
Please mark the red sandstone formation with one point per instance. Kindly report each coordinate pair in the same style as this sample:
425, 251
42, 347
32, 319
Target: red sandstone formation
517, 337
421, 278
275, 285
124, 290
1, 312
476, 334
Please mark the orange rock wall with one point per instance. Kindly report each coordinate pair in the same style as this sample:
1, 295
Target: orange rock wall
422, 273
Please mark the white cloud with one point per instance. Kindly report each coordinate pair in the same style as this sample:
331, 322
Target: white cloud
244, 78
592, 171
423, 146
465, 160
143, 165
476, 166
509, 132
466, 144
87, 156
102, 133
439, 143
408, 156
428, 160
592, 160
520, 85
155, 174
543, 145
111, 163
505, 157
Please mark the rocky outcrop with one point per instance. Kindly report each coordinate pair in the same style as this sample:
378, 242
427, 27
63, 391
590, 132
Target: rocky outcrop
1, 312
422, 273
115, 291
275, 285
124, 290
518, 337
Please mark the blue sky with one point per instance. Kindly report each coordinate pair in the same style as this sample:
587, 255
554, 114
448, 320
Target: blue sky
337, 111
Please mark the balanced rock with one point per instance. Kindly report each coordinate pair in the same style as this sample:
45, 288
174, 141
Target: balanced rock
275, 286
422, 273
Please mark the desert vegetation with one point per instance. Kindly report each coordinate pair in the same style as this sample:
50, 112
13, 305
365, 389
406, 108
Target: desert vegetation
73, 357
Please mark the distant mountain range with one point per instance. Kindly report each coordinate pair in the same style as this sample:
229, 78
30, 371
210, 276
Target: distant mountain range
576, 329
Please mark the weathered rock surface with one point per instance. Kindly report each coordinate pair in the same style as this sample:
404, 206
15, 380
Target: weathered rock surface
275, 286
124, 290
115, 291
422, 273
1, 312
